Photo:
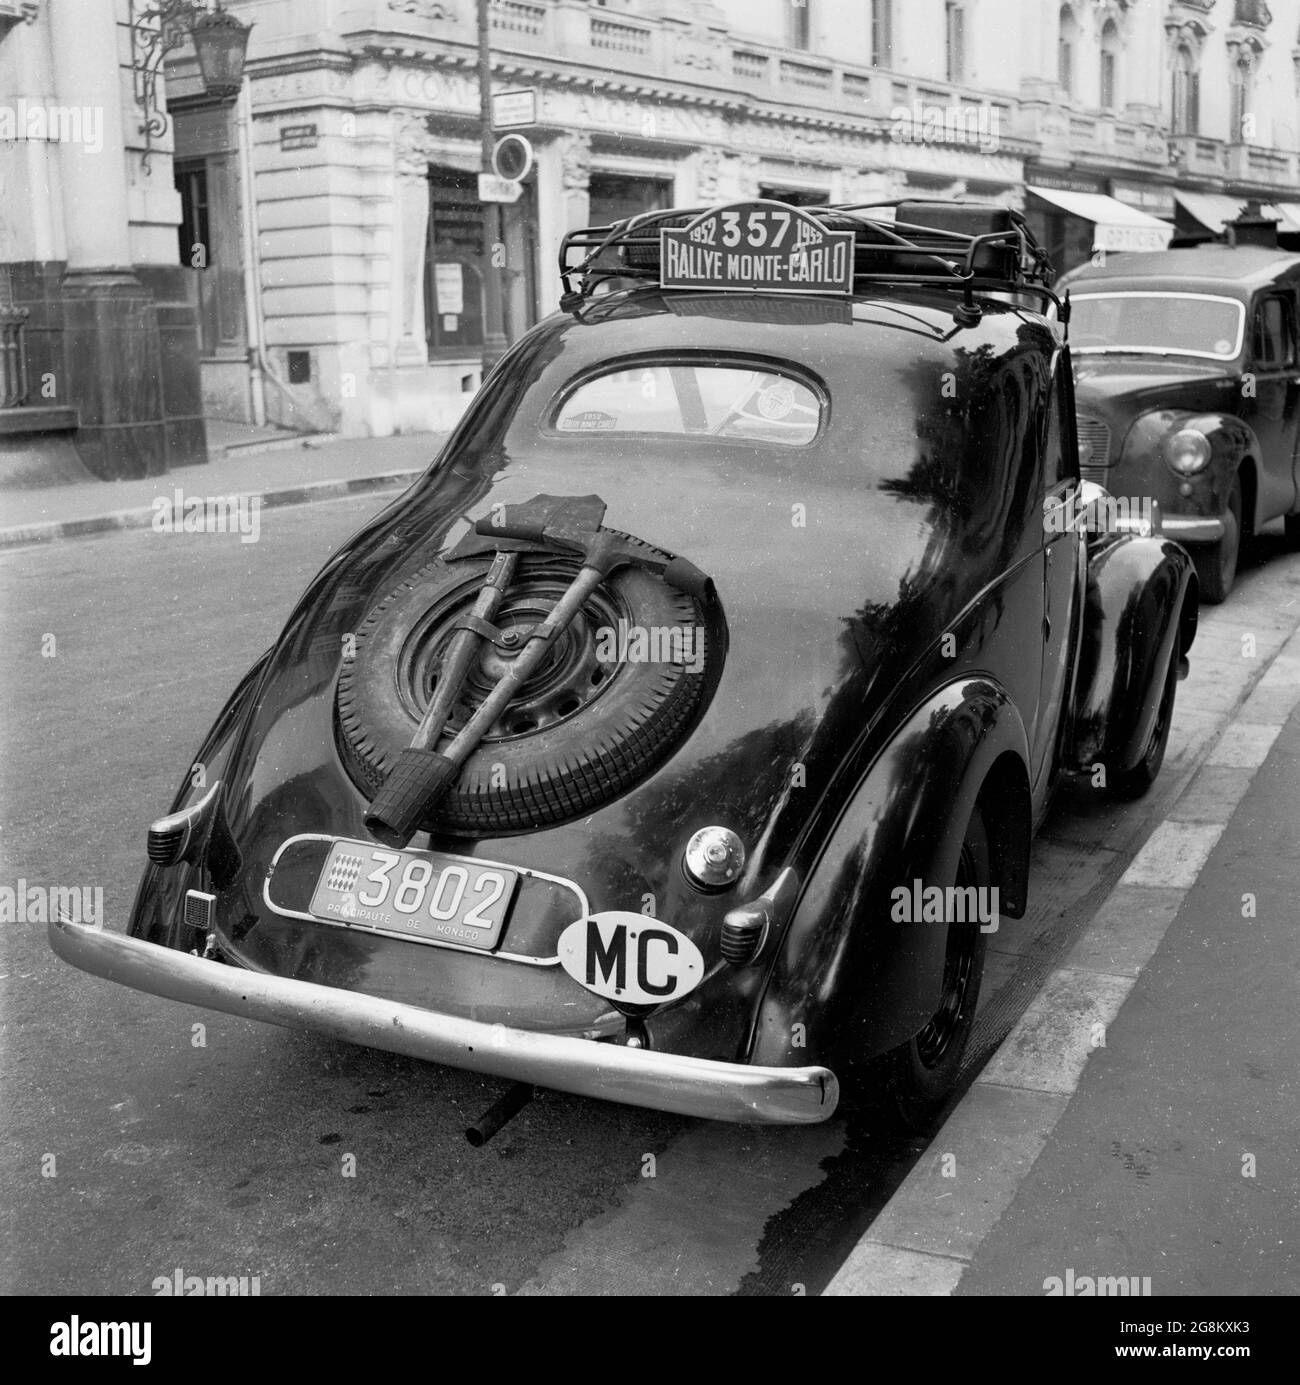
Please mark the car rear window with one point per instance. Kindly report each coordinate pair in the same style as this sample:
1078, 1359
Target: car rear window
756, 404
1158, 324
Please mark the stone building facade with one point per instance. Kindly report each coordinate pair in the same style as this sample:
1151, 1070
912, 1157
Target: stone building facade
97, 324
326, 228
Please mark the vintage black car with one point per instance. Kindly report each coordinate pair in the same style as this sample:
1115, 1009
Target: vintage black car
1187, 379
679, 738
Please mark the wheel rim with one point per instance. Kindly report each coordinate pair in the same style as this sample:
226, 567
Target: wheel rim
935, 1040
569, 678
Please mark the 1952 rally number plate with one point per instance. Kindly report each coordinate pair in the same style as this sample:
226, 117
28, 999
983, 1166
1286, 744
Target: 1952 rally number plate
417, 894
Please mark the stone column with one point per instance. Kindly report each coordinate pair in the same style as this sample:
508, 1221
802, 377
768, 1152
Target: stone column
747, 170
112, 355
575, 157
410, 231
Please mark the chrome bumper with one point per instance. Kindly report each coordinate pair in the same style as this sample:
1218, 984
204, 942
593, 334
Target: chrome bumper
1191, 528
610, 1072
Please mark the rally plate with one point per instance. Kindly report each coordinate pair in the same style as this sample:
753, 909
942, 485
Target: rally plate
416, 894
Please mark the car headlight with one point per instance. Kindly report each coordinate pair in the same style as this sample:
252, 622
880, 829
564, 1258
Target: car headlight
1188, 451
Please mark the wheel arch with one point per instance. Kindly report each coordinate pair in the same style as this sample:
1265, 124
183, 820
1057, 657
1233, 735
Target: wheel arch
1137, 599
845, 962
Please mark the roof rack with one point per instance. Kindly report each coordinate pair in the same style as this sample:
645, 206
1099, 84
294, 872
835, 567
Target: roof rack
969, 246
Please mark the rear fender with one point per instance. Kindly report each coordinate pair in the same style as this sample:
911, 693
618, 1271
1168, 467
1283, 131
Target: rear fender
159, 899
847, 973
1140, 592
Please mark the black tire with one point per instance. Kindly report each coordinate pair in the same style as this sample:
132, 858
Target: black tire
1134, 783
919, 1075
581, 732
1216, 563
1292, 523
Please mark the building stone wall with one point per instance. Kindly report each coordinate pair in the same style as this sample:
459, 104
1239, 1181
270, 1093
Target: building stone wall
708, 97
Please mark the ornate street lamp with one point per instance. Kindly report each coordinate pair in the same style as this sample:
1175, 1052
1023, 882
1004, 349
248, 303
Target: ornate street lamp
158, 26
220, 42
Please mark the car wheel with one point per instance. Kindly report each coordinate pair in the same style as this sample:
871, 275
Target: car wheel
920, 1074
1216, 564
583, 728
1135, 782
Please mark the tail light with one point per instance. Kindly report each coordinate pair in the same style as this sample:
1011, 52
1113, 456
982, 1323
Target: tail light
172, 838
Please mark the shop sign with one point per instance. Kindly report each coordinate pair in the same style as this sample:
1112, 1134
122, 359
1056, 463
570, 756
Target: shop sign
1063, 180
298, 137
1146, 197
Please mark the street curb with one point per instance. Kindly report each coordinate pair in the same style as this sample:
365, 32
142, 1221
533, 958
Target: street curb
922, 1243
142, 517
290, 444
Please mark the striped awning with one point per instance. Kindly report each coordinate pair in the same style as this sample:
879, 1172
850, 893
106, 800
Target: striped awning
1119, 226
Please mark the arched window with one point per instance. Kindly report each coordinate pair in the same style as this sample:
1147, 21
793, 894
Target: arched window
1066, 44
1110, 65
1186, 93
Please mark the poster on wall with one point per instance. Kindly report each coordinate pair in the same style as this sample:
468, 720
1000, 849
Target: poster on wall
449, 289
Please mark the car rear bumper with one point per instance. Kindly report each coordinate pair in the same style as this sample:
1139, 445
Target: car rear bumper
1191, 528
610, 1072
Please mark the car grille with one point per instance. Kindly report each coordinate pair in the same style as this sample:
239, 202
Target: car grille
1094, 449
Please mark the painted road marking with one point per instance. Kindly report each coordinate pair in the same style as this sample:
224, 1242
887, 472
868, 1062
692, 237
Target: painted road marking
1174, 854
1245, 745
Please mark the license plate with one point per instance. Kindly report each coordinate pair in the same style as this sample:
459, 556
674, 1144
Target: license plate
417, 894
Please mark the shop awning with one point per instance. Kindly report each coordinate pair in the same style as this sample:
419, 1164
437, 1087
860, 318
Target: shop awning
1213, 209
1119, 226
1287, 213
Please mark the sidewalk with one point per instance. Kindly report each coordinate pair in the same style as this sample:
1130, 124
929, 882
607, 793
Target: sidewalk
309, 469
1142, 1121
1178, 1158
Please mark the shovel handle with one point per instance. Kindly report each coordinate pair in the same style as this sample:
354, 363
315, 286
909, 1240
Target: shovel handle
461, 652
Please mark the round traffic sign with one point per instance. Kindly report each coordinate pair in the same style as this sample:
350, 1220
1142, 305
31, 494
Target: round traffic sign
512, 157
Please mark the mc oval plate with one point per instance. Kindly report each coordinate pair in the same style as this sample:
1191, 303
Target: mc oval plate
630, 957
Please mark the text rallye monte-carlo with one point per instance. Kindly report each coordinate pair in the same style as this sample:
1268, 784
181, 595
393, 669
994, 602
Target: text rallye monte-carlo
733, 616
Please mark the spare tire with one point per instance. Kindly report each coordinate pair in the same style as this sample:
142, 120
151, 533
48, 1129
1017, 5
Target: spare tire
583, 729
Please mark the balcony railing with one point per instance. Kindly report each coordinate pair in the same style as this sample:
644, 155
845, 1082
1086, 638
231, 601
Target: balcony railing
806, 77
518, 17
616, 37
617, 41
1250, 163
1092, 137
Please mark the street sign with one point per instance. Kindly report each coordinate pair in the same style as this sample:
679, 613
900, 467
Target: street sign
511, 109
494, 189
512, 157
764, 246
